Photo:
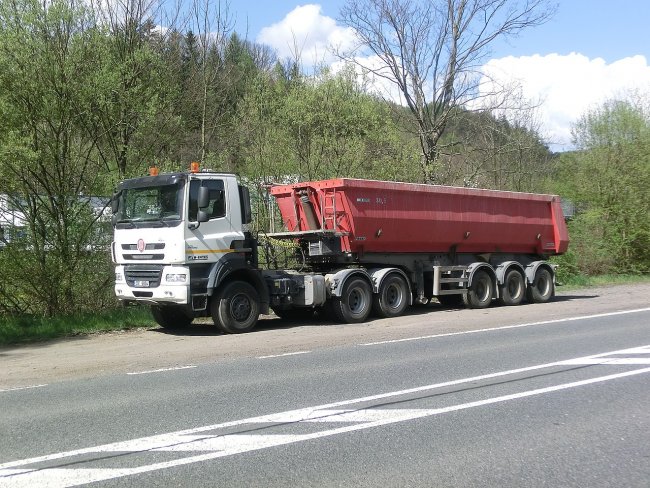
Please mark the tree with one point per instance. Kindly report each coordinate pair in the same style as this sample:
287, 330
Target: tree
213, 23
330, 121
490, 152
133, 109
608, 179
297, 128
47, 160
432, 52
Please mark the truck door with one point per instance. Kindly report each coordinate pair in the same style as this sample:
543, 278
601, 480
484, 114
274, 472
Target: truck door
212, 239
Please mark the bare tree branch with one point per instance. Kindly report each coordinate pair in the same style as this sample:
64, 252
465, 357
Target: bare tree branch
432, 52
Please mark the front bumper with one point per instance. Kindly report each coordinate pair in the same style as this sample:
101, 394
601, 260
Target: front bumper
165, 292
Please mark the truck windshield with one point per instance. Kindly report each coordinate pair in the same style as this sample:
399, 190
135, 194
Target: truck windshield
150, 206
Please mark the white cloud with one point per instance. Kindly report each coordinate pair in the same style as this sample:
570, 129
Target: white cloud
567, 86
306, 30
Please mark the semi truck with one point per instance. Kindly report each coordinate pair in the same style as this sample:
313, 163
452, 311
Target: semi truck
183, 244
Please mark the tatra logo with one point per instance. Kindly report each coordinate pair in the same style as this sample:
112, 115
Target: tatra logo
141, 245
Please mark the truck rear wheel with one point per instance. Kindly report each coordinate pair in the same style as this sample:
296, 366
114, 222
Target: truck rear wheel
171, 316
236, 308
391, 301
480, 292
542, 289
513, 288
353, 306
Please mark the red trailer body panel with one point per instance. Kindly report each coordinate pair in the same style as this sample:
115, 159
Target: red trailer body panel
389, 217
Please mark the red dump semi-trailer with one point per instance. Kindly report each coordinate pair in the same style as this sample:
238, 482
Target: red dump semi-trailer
388, 217
365, 247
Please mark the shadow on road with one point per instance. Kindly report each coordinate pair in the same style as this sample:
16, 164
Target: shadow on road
204, 327
568, 298
13, 348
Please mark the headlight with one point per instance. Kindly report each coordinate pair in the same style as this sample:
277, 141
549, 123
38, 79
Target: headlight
119, 277
176, 278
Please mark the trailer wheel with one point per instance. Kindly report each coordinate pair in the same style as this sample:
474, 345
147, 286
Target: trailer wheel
480, 292
171, 316
542, 289
391, 301
353, 306
236, 308
513, 288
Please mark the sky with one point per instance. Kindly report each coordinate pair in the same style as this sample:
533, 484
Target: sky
589, 52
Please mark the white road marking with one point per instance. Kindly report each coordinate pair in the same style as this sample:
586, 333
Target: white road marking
506, 327
161, 370
620, 361
365, 415
215, 445
284, 355
22, 388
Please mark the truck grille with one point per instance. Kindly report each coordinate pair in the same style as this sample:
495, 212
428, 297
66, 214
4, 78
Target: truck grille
143, 255
149, 247
143, 276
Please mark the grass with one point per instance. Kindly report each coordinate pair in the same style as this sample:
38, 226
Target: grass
583, 281
27, 329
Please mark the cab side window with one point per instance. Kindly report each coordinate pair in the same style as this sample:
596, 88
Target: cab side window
217, 206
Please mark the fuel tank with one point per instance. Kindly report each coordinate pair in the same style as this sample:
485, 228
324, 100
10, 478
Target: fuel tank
388, 217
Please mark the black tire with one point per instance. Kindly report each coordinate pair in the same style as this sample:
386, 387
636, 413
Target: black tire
236, 308
392, 299
513, 290
354, 304
451, 301
480, 292
171, 316
542, 289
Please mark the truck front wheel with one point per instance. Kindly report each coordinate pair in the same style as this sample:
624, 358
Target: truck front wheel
171, 316
353, 306
236, 308
480, 292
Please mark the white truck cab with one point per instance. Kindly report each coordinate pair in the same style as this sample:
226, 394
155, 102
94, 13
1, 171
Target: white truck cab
176, 236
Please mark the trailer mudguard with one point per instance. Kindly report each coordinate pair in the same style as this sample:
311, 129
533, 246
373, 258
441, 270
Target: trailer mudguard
532, 268
336, 281
377, 276
472, 270
503, 268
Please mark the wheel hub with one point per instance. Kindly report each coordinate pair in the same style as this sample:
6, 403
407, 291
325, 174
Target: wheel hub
240, 308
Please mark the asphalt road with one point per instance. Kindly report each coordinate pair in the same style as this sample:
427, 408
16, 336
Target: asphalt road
562, 400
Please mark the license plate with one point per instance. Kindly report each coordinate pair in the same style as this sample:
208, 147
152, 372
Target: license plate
141, 283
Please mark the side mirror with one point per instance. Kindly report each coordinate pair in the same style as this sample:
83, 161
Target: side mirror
245, 201
115, 202
203, 199
202, 216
